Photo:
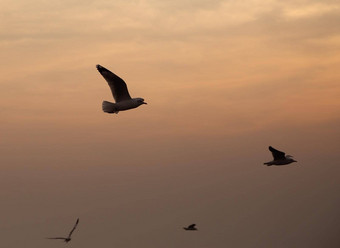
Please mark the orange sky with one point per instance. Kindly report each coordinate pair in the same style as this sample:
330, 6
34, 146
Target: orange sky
222, 79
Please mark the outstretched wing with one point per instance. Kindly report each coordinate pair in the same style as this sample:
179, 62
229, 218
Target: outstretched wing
192, 226
278, 155
69, 236
57, 238
117, 85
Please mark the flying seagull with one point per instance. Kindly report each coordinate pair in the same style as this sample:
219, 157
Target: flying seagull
190, 228
120, 93
68, 239
279, 158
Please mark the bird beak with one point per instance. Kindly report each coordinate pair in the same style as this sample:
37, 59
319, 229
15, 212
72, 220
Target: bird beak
294, 161
144, 103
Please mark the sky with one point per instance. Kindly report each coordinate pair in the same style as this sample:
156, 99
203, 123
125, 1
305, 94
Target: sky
223, 80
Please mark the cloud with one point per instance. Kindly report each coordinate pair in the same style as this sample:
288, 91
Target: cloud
156, 20
310, 10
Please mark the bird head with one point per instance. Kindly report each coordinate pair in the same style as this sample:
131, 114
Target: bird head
140, 101
290, 157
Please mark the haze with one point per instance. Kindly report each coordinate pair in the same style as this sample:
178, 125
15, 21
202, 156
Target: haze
223, 80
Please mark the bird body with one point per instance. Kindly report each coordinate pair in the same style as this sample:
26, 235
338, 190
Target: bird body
280, 158
280, 162
190, 228
119, 92
110, 107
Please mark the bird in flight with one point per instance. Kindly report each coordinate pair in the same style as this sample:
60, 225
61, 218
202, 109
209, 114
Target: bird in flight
190, 228
120, 93
68, 239
279, 158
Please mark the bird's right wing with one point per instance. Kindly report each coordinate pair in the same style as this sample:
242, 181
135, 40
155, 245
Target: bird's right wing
69, 236
192, 226
117, 85
278, 155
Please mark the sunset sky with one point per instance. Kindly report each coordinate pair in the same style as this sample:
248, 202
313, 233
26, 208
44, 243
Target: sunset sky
223, 80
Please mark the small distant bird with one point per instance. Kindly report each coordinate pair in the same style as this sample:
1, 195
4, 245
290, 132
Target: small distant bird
120, 93
190, 228
68, 239
279, 158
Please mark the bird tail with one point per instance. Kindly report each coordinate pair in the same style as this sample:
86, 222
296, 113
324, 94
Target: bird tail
109, 107
268, 164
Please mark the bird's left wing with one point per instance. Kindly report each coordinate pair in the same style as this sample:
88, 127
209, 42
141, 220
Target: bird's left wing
278, 155
117, 85
74, 228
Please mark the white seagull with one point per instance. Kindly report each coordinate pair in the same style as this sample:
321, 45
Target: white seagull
68, 239
279, 158
120, 93
190, 228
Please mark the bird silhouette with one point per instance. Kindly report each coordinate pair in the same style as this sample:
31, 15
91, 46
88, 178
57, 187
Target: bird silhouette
68, 239
190, 228
120, 93
279, 158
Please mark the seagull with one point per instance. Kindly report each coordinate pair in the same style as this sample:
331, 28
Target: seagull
120, 93
279, 158
190, 228
68, 239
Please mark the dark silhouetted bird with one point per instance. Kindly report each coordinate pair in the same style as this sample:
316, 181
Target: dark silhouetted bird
120, 93
68, 239
190, 228
279, 158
